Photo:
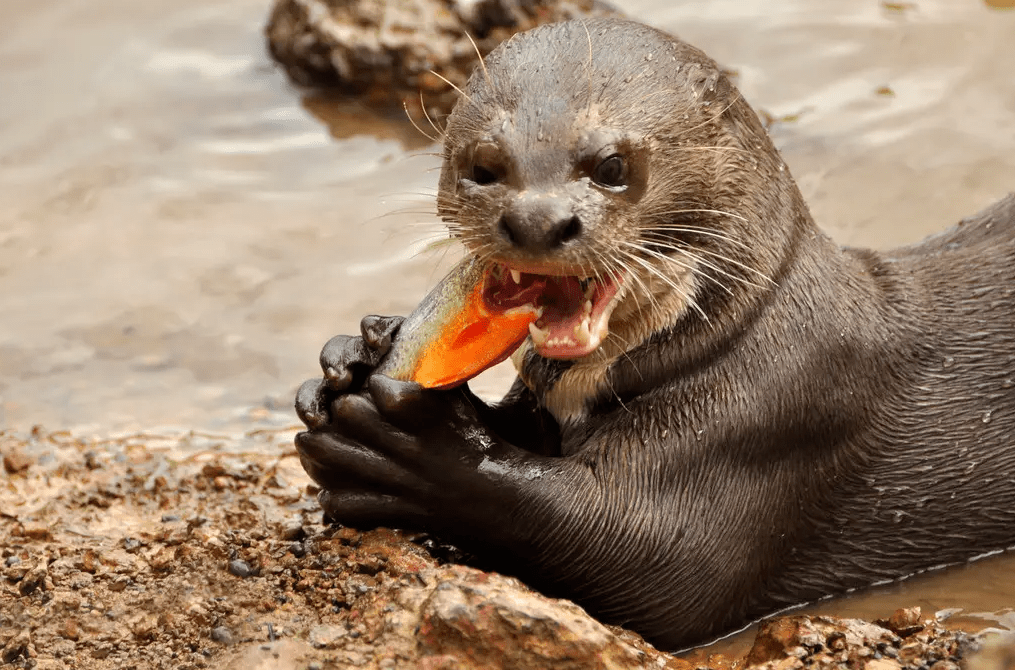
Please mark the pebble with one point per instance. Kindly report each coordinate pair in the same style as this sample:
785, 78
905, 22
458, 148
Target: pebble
16, 462
325, 635
222, 635
240, 568
293, 531
11, 561
119, 584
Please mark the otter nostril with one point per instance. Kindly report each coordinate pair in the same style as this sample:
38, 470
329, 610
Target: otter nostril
570, 229
508, 228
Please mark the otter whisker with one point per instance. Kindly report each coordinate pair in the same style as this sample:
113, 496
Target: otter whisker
588, 69
452, 85
482, 63
718, 148
737, 263
692, 252
662, 233
702, 210
685, 266
413, 122
659, 275
639, 283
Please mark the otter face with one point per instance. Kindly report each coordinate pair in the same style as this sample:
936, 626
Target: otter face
601, 180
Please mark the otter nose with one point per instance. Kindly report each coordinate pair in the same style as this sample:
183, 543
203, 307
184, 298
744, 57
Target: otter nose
540, 223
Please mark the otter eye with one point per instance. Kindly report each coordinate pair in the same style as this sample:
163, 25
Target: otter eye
483, 175
486, 164
611, 172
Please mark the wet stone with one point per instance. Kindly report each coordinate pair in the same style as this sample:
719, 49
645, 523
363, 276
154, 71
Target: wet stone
240, 568
906, 621
12, 561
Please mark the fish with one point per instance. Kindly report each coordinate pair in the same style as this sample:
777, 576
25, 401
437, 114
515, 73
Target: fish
465, 325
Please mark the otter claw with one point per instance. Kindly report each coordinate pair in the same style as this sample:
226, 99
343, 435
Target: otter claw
311, 405
379, 331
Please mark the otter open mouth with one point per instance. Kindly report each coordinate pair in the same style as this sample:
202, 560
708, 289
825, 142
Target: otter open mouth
573, 312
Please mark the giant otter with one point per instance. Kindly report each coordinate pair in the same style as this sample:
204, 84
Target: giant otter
742, 416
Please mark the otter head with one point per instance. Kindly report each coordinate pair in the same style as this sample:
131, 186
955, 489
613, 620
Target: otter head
613, 173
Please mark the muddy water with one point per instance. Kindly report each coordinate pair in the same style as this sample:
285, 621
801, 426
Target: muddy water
180, 229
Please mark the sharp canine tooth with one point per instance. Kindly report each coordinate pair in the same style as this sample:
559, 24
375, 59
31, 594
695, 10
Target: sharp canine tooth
582, 335
588, 306
538, 335
517, 276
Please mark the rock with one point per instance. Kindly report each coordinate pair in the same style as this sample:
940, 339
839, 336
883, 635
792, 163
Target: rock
33, 579
35, 531
293, 532
119, 584
479, 619
16, 462
17, 647
383, 51
222, 635
326, 636
905, 621
90, 561
240, 568
882, 664
102, 650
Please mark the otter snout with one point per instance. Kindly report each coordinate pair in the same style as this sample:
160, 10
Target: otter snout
540, 223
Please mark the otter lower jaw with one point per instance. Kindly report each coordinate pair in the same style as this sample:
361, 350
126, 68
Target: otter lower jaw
574, 311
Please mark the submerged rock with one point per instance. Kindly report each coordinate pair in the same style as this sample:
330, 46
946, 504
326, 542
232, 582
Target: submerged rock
383, 52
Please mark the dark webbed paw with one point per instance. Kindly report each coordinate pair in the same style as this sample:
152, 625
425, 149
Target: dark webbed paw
404, 456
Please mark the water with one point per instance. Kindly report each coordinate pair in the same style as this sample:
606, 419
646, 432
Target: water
181, 229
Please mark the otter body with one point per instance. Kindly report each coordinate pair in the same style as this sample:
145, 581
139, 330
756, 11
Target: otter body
757, 417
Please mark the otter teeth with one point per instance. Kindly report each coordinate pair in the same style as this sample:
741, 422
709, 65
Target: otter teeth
516, 275
582, 334
539, 336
